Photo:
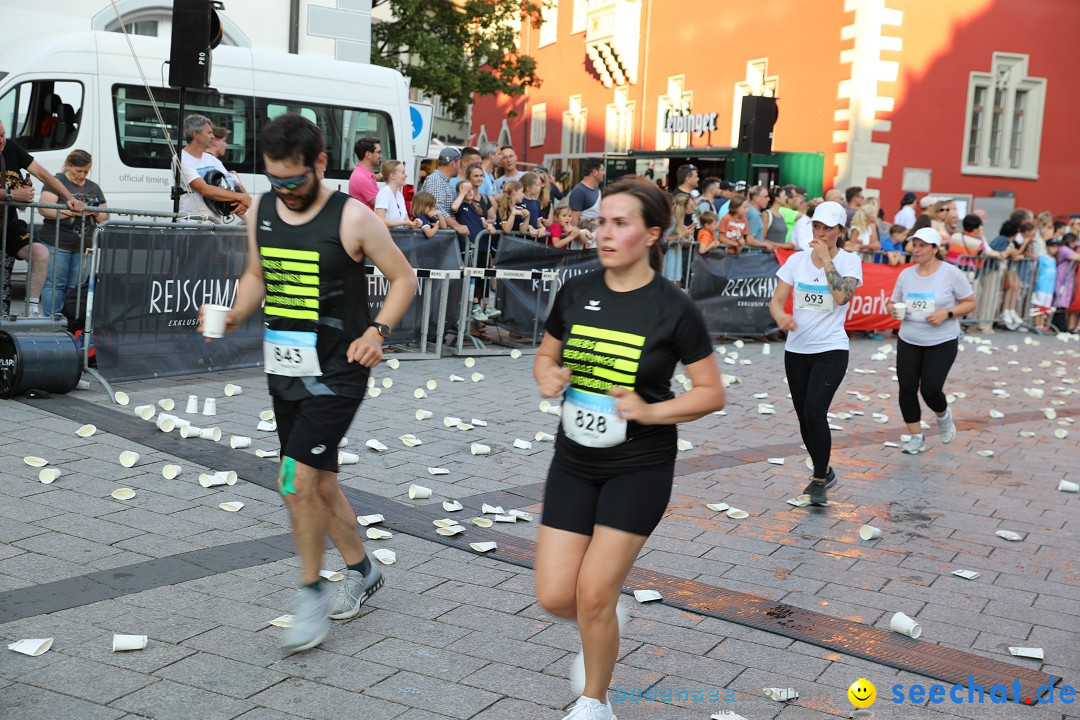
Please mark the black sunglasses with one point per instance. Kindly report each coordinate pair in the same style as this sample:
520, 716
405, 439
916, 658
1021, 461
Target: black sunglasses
289, 183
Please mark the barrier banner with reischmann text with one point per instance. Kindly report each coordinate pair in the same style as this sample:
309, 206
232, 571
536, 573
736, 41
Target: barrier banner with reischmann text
733, 292
517, 298
152, 279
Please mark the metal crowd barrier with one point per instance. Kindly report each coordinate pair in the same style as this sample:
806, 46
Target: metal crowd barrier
485, 277
1002, 288
445, 276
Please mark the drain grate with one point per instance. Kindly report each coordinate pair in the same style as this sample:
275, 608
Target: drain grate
880, 646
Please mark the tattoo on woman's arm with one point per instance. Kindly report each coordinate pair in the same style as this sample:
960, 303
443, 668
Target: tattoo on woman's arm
843, 285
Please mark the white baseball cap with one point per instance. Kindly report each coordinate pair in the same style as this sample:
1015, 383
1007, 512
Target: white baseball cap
830, 214
928, 235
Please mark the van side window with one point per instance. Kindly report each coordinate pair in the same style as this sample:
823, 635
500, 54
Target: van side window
43, 114
140, 138
341, 127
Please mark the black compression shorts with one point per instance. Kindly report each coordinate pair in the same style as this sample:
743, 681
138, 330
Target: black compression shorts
310, 429
577, 497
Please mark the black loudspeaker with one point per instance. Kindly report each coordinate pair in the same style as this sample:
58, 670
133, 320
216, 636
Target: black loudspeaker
759, 114
196, 30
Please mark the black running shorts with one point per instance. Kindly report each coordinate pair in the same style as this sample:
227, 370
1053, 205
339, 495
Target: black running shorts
577, 497
310, 429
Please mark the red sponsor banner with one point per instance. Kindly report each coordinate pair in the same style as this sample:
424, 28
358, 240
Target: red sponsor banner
866, 311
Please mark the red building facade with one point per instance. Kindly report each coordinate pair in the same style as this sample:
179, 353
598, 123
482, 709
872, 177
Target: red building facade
962, 97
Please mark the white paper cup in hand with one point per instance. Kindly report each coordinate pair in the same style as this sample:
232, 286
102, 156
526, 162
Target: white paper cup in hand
900, 309
419, 492
121, 643
869, 532
237, 442
128, 458
904, 625
214, 317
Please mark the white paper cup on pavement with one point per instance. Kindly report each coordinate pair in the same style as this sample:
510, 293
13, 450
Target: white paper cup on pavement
229, 476
209, 406
146, 412
423, 414
904, 625
237, 442
121, 398
347, 458
480, 449
266, 415
214, 317
233, 390
166, 423
48, 475
419, 492
869, 532
31, 646
128, 458
1068, 486
170, 472
86, 431
213, 434
83, 385
192, 407
122, 643
189, 431
901, 310
209, 480
166, 404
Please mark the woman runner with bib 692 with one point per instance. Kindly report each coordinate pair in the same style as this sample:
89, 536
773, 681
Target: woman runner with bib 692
824, 279
611, 344
928, 299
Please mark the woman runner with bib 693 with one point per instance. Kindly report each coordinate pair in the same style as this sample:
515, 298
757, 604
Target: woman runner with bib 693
824, 279
611, 344
928, 299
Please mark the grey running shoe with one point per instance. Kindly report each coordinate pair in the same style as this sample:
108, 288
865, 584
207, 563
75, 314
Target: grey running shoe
310, 624
946, 428
916, 445
830, 483
817, 490
353, 591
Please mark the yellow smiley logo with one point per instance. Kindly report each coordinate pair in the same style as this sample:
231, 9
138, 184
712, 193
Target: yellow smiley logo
862, 693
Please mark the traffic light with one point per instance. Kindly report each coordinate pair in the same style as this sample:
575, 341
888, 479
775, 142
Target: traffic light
196, 30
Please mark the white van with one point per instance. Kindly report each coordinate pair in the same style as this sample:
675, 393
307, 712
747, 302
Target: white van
65, 90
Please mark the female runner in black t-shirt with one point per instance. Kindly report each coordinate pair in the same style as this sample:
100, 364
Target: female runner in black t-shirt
611, 344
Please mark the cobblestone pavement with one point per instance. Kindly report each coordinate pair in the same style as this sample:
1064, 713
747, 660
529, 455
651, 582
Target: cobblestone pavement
457, 635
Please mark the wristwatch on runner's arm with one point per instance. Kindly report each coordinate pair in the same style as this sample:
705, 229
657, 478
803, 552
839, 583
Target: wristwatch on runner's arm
384, 330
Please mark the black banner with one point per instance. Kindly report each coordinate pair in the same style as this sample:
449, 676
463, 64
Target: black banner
733, 292
517, 298
152, 279
150, 284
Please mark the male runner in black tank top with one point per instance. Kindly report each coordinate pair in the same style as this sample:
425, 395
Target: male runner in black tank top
306, 248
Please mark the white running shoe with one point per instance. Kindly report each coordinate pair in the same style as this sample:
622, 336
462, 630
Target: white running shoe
577, 669
914, 446
590, 709
946, 428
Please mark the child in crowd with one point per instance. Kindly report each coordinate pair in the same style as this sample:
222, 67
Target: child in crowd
1042, 299
678, 237
893, 247
706, 235
733, 226
531, 187
423, 209
563, 233
510, 214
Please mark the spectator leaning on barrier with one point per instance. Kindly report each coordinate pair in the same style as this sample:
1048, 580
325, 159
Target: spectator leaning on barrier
906, 214
710, 191
707, 238
199, 175
362, 184
438, 184
733, 230
679, 235
390, 200
757, 200
969, 241
424, 210
563, 233
686, 177
584, 198
1066, 279
1042, 299
864, 231
893, 245
75, 230
510, 215
532, 187
13, 160
776, 229
475, 175
218, 148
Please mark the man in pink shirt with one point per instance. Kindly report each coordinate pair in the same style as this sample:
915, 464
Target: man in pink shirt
362, 183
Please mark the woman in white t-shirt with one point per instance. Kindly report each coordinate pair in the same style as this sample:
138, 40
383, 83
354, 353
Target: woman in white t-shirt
821, 282
390, 201
933, 295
